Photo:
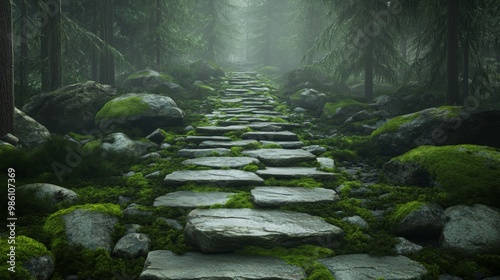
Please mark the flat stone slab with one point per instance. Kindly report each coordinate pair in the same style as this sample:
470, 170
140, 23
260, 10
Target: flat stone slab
278, 196
266, 112
228, 123
196, 153
199, 139
219, 162
228, 144
364, 267
219, 130
285, 144
222, 178
294, 173
271, 136
161, 265
224, 230
187, 199
251, 119
232, 100
280, 157
236, 90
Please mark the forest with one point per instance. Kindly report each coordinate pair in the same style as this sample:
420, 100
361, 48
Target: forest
250, 139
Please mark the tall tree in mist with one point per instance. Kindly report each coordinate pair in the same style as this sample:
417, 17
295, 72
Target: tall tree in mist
7, 66
107, 65
217, 27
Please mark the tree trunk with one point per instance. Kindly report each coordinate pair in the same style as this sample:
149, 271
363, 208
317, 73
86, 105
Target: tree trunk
497, 51
23, 69
158, 37
107, 65
7, 66
44, 52
465, 81
56, 73
452, 53
94, 59
369, 71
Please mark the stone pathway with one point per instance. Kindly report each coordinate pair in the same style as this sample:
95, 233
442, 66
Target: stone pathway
247, 120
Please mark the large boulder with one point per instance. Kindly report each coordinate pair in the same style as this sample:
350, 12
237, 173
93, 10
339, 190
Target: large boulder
446, 125
119, 143
56, 194
71, 108
466, 173
341, 110
417, 220
132, 245
152, 81
30, 132
145, 112
308, 98
472, 229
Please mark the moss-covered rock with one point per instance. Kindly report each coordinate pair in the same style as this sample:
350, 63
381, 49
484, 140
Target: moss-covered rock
308, 99
447, 125
71, 108
341, 110
152, 81
31, 258
468, 173
146, 112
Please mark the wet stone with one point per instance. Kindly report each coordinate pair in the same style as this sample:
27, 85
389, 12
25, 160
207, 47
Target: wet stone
188, 199
281, 157
229, 178
228, 144
219, 130
284, 144
196, 153
294, 173
278, 196
271, 136
220, 162
199, 139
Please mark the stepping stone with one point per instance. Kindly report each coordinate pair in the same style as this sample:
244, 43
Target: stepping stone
187, 199
164, 264
285, 144
271, 116
219, 130
225, 230
260, 89
261, 107
219, 162
294, 173
228, 123
199, 139
239, 111
215, 144
279, 196
196, 153
234, 100
365, 267
280, 157
251, 119
271, 136
236, 90
258, 99
263, 126
253, 103
266, 112
229, 178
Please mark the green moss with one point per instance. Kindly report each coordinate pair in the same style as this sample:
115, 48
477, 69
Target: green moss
92, 146
25, 250
467, 173
302, 256
330, 108
251, 168
240, 200
304, 182
394, 124
404, 210
318, 271
122, 107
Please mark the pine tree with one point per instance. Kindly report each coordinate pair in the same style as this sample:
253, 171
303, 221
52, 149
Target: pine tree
7, 66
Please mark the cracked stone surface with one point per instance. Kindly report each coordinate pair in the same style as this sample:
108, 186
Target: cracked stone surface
224, 230
219, 130
364, 267
281, 157
219, 162
278, 196
272, 136
162, 265
285, 144
229, 144
294, 173
228, 178
188, 199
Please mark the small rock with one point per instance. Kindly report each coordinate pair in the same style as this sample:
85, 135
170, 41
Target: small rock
129, 174
405, 247
156, 136
299, 110
123, 199
132, 245
314, 149
173, 223
189, 128
55, 193
357, 221
151, 156
326, 162
152, 175
132, 228
132, 210
165, 146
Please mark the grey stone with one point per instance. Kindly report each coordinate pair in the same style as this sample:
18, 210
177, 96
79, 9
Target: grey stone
425, 222
294, 173
156, 136
236, 90
129, 174
224, 230
152, 81
133, 210
165, 146
132, 245
261, 126
41, 268
309, 98
30, 133
132, 228
326, 162
217, 177
357, 221
152, 175
219, 162
196, 266
153, 155
189, 128
472, 229
188, 199
173, 223
271, 136
281, 157
196, 153
405, 247
200, 139
219, 130
120, 143
284, 144
450, 277
315, 149
364, 267
158, 111
56, 194
71, 108
233, 100
228, 144
91, 229
278, 196
299, 110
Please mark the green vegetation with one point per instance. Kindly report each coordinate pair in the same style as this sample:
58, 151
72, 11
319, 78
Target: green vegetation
330, 108
302, 182
122, 107
404, 210
394, 124
468, 173
25, 249
269, 71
